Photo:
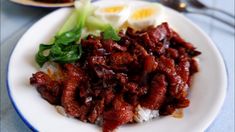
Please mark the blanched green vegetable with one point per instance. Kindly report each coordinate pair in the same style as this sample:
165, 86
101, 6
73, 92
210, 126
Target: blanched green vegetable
70, 23
69, 54
94, 23
41, 58
65, 49
109, 32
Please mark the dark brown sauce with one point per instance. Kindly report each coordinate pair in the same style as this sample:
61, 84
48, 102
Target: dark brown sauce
151, 68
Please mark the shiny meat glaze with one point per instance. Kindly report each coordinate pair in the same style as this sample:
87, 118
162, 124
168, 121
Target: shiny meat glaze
151, 68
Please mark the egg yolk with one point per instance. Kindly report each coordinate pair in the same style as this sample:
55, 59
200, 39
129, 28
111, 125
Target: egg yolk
113, 9
143, 13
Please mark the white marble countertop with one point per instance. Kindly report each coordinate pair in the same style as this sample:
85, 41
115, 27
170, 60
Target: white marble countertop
16, 19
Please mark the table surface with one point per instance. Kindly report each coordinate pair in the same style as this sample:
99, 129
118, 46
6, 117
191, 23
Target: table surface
16, 19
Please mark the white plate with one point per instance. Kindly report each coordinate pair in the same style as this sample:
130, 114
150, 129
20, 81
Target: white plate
206, 96
42, 4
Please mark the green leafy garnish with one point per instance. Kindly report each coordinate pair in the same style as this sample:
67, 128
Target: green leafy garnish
110, 33
64, 48
68, 37
68, 54
40, 57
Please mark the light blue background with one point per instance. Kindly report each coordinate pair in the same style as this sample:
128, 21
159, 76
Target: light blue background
16, 19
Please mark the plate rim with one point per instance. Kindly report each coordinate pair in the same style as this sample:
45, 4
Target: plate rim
27, 123
220, 57
30, 126
43, 4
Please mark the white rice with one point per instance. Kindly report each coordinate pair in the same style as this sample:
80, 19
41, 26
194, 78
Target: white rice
88, 99
144, 114
99, 121
61, 110
53, 68
141, 114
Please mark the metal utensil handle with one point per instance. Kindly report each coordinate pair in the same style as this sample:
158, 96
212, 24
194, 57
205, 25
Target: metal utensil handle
214, 17
222, 11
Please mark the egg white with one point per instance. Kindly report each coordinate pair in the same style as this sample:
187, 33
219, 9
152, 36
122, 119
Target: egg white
116, 19
152, 20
